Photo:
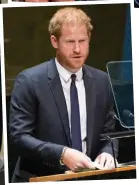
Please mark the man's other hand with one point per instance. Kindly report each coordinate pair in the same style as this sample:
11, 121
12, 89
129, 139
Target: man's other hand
105, 161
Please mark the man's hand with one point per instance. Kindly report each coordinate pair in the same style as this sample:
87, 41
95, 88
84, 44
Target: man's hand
74, 159
105, 160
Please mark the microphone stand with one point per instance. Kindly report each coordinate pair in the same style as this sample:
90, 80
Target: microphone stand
116, 135
113, 153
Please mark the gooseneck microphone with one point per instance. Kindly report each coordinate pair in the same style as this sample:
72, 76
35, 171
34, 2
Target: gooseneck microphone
119, 134
128, 114
114, 116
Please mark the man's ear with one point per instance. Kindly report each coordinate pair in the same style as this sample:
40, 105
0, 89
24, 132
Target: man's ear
54, 41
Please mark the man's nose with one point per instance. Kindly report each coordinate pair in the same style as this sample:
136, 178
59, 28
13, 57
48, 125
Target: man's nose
77, 47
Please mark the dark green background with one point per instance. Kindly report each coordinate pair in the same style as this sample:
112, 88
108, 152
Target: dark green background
27, 40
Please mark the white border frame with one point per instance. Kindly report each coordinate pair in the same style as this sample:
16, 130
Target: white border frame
135, 53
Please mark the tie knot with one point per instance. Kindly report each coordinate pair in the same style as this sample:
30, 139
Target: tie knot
73, 77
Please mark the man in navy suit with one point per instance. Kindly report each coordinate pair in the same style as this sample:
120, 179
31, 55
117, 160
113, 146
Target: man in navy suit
60, 107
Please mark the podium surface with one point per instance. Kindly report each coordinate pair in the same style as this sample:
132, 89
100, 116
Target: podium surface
73, 175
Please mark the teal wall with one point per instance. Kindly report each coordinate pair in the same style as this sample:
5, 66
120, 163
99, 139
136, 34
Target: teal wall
127, 48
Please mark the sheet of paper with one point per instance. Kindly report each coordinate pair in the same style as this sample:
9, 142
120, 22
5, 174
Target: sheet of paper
96, 166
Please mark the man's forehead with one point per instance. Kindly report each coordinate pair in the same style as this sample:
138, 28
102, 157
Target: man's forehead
72, 28
73, 25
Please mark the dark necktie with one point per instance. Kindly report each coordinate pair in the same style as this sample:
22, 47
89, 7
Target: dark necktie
75, 116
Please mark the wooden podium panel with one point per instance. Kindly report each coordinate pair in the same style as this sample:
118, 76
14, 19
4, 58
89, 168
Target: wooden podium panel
73, 175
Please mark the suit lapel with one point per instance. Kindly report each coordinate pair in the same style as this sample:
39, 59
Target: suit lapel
89, 83
57, 91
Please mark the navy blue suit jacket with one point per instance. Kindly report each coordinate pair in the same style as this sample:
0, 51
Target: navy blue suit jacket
39, 125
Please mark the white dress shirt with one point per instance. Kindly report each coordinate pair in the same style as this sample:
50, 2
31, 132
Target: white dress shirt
65, 77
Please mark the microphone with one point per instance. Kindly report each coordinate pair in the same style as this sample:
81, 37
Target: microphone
128, 114
117, 134
114, 116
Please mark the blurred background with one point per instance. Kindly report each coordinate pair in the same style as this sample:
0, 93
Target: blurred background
1, 135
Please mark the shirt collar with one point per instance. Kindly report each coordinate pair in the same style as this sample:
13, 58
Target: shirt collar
65, 74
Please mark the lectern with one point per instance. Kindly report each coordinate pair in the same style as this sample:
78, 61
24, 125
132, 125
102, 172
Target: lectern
87, 174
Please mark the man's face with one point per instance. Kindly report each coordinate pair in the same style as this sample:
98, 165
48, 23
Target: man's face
72, 47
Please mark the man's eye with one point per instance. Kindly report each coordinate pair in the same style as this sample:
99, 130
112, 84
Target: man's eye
82, 40
70, 41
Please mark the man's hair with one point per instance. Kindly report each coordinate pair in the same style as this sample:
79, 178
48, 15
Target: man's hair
68, 15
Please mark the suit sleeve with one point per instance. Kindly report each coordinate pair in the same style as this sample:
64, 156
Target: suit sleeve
109, 124
22, 125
